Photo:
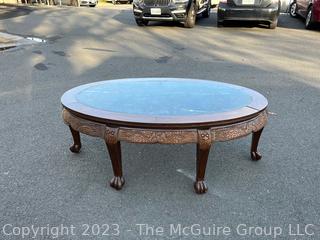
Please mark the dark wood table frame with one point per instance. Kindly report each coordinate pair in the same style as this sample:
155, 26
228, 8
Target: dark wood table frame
204, 135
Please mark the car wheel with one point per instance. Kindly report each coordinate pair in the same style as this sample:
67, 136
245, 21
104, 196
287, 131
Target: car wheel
206, 13
273, 24
92, 5
141, 22
293, 10
191, 17
309, 19
114, 2
219, 22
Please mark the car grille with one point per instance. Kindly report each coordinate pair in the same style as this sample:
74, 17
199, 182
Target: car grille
157, 2
162, 15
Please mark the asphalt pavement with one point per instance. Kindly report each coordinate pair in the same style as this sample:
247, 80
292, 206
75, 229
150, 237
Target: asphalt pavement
11, 11
42, 184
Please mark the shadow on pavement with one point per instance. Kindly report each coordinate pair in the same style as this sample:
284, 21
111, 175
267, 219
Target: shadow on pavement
11, 11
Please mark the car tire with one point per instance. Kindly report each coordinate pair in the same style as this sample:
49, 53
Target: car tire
206, 13
293, 10
273, 24
114, 2
141, 22
309, 21
92, 5
219, 21
191, 17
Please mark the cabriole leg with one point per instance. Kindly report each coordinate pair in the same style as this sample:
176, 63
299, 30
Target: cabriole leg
255, 155
75, 148
203, 149
114, 148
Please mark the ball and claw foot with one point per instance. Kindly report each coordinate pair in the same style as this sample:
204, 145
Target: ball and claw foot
117, 182
255, 156
75, 148
200, 187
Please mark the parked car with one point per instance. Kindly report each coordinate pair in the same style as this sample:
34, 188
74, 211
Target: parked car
91, 3
114, 2
184, 11
285, 4
266, 11
214, 3
308, 9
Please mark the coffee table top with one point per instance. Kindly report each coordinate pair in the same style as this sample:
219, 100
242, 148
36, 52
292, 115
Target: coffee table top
168, 101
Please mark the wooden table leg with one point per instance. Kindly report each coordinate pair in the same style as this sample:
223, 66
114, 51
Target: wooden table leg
114, 148
75, 148
255, 155
203, 149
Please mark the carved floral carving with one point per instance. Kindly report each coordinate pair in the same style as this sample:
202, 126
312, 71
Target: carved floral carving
157, 136
240, 129
167, 136
84, 126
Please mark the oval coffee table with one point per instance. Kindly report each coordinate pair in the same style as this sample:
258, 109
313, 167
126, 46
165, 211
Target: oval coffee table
165, 111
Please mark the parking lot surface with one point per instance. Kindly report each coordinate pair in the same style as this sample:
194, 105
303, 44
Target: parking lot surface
43, 184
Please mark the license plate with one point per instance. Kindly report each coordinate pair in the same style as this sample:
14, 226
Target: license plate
248, 2
155, 11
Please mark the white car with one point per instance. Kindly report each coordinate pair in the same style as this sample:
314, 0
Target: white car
214, 3
90, 3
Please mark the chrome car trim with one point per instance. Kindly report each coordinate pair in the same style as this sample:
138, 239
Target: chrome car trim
179, 11
158, 18
137, 10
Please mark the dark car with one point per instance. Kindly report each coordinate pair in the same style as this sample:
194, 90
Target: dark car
184, 11
265, 11
308, 9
